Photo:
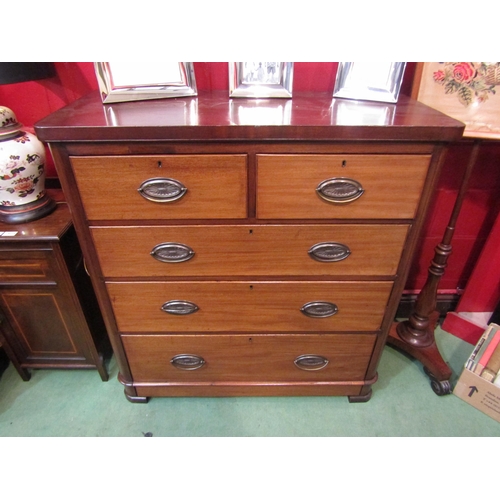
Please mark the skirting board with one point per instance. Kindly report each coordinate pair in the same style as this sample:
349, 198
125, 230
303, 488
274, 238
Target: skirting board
468, 326
445, 303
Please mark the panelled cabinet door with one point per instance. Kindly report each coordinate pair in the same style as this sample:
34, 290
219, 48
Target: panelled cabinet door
44, 324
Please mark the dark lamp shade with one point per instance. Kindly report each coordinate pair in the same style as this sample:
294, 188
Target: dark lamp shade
15, 72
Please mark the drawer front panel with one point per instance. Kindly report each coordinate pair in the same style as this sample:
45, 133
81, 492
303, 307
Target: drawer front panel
240, 358
359, 186
248, 306
25, 267
297, 250
216, 186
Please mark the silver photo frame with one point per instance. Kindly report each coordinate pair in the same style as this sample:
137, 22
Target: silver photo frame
369, 81
260, 79
119, 82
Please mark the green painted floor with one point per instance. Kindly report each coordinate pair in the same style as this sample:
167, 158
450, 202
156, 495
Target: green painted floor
77, 403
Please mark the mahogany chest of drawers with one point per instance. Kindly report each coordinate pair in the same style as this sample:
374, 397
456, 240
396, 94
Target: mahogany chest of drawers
248, 247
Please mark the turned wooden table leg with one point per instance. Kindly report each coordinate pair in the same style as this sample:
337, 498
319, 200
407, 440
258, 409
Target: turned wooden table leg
415, 336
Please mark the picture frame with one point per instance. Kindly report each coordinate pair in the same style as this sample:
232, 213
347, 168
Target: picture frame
124, 81
466, 91
369, 81
260, 79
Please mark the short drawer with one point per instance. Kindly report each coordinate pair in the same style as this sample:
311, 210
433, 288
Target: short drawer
271, 250
340, 186
26, 267
243, 358
296, 306
162, 187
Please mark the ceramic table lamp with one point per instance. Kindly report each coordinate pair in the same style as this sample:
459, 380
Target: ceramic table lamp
22, 156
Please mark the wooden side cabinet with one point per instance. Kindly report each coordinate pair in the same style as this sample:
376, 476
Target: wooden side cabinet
49, 316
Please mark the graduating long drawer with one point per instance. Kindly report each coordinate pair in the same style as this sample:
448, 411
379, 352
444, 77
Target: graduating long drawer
240, 358
244, 250
296, 306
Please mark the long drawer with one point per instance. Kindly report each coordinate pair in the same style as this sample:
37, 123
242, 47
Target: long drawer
240, 358
339, 186
294, 250
292, 306
162, 187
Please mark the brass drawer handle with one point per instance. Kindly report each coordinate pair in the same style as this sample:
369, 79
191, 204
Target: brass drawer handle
162, 190
172, 252
319, 309
310, 362
187, 362
340, 190
329, 252
179, 307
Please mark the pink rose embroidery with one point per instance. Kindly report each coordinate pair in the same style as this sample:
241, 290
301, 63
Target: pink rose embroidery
469, 82
439, 76
464, 72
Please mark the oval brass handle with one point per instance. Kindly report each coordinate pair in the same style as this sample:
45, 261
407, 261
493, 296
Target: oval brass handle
162, 190
329, 252
179, 307
340, 190
187, 362
310, 362
319, 309
172, 252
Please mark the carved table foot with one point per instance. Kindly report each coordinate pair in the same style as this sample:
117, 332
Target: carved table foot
434, 366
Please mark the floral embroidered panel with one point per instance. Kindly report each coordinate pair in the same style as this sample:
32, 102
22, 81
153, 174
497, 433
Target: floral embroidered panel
466, 91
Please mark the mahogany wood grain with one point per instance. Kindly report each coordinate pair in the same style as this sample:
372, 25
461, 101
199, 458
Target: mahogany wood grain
227, 306
19, 266
252, 148
216, 186
273, 164
213, 116
243, 358
46, 297
36, 311
286, 185
250, 250
249, 389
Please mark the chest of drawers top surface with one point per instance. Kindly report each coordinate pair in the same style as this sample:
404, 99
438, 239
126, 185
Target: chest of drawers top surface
212, 116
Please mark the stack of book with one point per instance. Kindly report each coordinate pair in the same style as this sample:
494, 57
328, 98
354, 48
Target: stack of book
479, 383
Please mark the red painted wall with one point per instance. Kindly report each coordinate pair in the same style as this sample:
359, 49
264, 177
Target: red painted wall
479, 211
32, 101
